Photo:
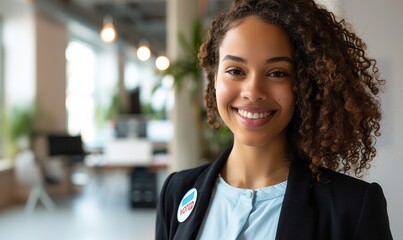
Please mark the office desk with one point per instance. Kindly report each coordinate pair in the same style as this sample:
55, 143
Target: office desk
143, 185
99, 161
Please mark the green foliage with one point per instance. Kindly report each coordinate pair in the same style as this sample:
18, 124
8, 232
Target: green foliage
18, 123
147, 110
114, 107
103, 114
216, 140
187, 67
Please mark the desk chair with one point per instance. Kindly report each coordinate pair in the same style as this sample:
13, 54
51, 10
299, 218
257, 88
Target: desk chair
66, 149
29, 174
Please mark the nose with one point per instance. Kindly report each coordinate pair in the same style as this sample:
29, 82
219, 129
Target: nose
253, 90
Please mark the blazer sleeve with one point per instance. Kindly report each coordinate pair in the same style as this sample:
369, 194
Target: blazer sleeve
162, 220
373, 223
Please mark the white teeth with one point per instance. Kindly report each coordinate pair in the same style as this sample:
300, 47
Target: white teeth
250, 115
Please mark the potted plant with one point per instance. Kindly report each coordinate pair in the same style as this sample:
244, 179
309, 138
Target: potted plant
187, 69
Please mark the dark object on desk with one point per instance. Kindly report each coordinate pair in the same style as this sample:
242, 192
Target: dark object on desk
143, 188
66, 145
128, 126
134, 101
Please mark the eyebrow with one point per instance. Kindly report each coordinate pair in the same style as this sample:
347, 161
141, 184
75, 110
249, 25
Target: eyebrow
268, 61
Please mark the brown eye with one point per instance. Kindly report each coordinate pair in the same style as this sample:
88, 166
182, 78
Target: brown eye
234, 71
278, 74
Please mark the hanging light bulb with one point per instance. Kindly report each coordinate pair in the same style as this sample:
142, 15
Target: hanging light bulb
162, 63
108, 31
143, 52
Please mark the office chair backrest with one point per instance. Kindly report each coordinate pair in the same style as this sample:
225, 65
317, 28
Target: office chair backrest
65, 145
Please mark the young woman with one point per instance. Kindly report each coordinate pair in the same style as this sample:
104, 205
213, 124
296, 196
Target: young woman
299, 93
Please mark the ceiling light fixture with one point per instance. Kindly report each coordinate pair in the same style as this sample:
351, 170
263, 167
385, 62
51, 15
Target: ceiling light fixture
143, 52
162, 63
108, 31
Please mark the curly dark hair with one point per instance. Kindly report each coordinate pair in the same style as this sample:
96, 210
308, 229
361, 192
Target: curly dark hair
336, 84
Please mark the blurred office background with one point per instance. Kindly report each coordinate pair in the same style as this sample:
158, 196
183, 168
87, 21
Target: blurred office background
91, 127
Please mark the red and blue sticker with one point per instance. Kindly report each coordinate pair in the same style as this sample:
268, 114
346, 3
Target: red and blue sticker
187, 204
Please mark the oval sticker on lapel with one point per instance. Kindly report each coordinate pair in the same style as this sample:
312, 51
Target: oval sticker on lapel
187, 204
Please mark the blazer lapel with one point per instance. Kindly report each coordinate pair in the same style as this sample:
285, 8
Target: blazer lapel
204, 186
298, 216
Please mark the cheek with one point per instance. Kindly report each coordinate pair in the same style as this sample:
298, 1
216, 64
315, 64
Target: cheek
286, 99
225, 96
223, 93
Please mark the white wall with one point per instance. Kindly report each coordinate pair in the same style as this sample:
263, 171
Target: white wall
380, 23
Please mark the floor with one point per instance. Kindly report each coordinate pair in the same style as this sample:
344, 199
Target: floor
100, 211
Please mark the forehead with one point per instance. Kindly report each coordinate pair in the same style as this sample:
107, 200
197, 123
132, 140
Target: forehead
255, 37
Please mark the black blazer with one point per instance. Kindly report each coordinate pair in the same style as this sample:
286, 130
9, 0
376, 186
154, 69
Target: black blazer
338, 207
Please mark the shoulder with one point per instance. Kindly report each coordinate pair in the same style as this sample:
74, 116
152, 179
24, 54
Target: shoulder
352, 205
339, 187
331, 184
345, 194
343, 184
330, 178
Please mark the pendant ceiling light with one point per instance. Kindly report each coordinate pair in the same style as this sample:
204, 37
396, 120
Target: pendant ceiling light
143, 52
108, 31
162, 63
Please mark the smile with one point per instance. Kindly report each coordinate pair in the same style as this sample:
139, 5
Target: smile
255, 115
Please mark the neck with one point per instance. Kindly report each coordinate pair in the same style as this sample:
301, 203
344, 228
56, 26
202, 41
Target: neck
255, 167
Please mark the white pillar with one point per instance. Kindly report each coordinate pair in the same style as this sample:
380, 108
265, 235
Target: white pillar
51, 43
185, 149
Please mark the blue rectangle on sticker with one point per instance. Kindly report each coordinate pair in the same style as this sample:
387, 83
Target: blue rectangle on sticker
188, 199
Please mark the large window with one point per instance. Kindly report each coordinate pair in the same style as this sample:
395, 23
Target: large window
91, 83
80, 102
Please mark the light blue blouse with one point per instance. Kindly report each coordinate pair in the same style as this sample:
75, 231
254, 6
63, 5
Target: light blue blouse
236, 213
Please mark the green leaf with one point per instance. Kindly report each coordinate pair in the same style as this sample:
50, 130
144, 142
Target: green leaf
187, 68
184, 44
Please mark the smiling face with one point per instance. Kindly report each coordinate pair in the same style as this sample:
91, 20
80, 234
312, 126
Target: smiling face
254, 82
